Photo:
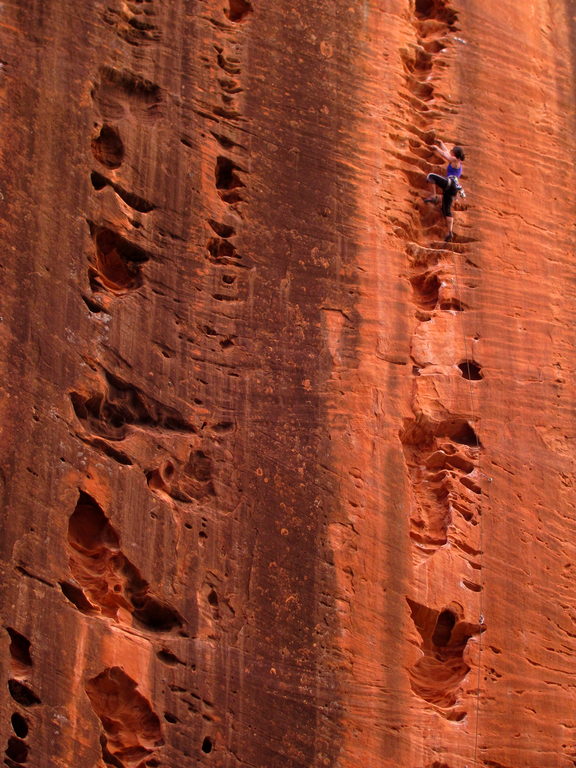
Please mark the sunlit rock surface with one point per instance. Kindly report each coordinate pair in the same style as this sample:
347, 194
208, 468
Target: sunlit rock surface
286, 480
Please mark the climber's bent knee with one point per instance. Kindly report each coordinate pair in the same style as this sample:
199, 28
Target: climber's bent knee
440, 181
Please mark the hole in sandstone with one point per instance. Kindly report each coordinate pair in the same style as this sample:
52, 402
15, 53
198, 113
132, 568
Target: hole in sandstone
93, 279
108, 148
202, 535
238, 10
434, 46
228, 64
155, 481
471, 485
443, 629
223, 230
98, 564
101, 415
461, 432
223, 426
123, 404
425, 8
229, 85
207, 745
423, 60
226, 177
98, 181
435, 9
170, 718
93, 306
131, 728
231, 197
19, 649
156, 616
134, 201
112, 453
456, 716
142, 26
22, 693
426, 288
167, 657
454, 305
459, 462
230, 114
77, 597
134, 87
423, 90
17, 750
228, 279
471, 585
471, 370
88, 527
117, 260
213, 598
224, 141
19, 725
221, 249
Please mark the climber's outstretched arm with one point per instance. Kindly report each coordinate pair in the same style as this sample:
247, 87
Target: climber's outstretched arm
444, 152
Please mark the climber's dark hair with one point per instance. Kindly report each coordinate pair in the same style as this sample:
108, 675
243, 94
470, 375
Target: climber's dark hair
459, 153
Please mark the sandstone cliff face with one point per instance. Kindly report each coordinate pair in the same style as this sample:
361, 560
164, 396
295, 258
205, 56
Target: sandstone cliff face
286, 480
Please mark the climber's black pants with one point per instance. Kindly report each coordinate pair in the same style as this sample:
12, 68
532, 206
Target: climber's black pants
448, 192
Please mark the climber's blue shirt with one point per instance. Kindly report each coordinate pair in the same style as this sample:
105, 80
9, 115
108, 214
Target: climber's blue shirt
454, 171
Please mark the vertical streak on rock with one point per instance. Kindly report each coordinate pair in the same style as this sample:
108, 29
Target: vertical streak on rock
299, 205
366, 389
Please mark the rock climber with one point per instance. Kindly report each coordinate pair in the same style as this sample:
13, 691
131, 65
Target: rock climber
449, 184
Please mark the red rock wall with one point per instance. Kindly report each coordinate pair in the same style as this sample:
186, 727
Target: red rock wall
286, 480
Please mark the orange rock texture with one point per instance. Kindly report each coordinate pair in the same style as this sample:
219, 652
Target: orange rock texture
287, 481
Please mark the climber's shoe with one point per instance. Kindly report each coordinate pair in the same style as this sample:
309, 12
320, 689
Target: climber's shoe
449, 237
433, 199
